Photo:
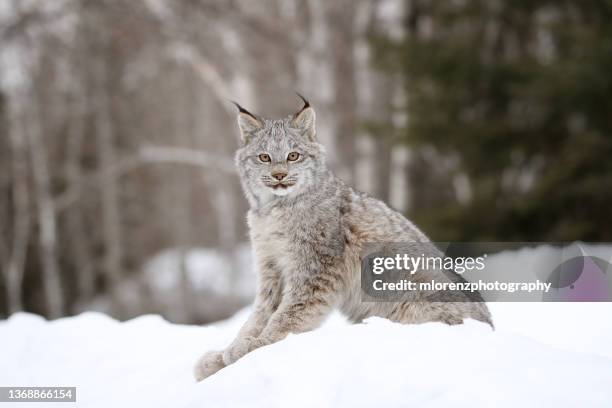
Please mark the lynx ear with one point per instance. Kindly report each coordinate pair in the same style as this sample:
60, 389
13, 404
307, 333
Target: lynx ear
304, 120
248, 123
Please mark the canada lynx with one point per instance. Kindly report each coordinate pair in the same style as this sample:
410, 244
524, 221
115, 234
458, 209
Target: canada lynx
307, 229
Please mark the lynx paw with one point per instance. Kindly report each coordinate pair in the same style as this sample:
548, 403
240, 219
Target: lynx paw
239, 348
208, 364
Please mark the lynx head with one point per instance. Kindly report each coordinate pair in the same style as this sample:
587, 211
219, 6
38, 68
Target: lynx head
279, 157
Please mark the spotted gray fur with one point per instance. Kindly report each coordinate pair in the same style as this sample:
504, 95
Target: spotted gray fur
307, 237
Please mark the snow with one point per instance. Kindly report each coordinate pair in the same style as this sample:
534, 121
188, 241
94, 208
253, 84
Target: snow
552, 354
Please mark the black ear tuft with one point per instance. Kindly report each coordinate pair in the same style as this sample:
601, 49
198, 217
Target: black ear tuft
306, 103
242, 110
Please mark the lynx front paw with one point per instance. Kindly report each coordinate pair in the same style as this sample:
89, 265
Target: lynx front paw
208, 364
239, 348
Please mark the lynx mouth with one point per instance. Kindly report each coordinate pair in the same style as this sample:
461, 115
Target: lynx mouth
282, 186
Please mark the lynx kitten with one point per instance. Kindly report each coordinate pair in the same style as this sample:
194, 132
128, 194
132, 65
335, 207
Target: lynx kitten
307, 229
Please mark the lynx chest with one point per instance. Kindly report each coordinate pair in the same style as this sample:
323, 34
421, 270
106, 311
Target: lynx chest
272, 237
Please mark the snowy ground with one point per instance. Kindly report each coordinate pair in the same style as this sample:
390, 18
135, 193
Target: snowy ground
557, 355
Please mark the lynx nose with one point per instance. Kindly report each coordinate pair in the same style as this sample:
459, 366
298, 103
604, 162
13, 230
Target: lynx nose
279, 175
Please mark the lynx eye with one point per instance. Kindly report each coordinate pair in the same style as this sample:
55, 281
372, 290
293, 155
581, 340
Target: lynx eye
293, 156
264, 158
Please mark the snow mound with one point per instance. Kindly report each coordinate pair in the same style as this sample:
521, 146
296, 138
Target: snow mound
385, 364
148, 361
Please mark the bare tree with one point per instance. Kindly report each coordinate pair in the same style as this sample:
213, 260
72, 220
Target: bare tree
46, 216
109, 189
16, 254
341, 24
77, 237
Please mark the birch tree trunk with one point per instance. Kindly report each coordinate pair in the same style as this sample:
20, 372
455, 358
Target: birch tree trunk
182, 198
75, 227
109, 189
21, 214
340, 22
381, 113
47, 223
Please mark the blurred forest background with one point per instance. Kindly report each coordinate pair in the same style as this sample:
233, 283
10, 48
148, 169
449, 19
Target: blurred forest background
480, 120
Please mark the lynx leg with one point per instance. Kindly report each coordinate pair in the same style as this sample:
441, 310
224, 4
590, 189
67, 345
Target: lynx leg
300, 312
267, 301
